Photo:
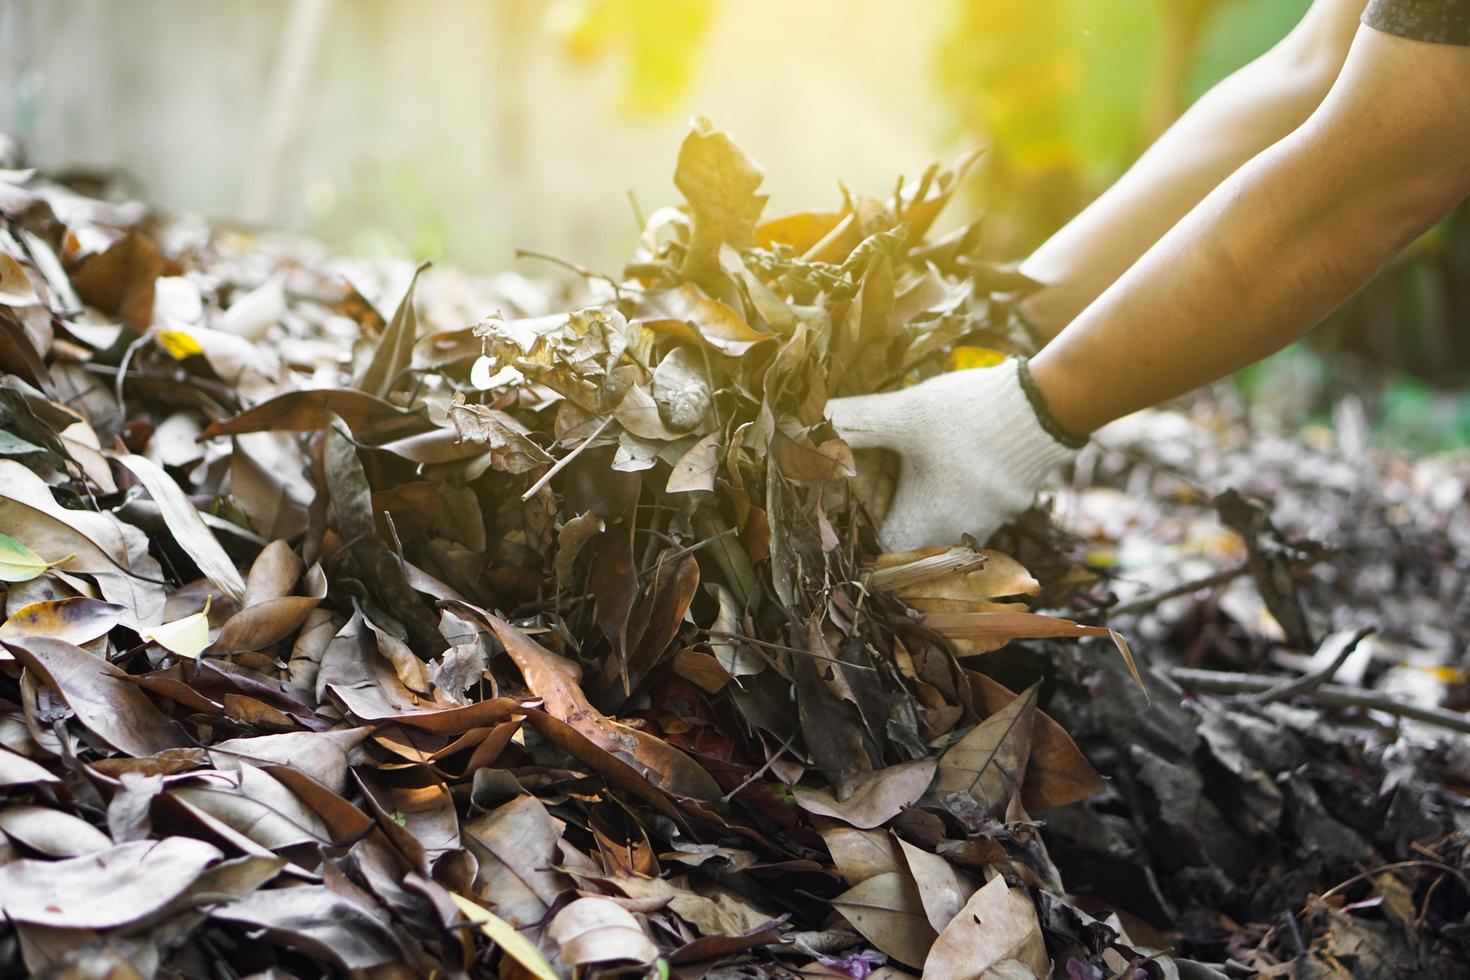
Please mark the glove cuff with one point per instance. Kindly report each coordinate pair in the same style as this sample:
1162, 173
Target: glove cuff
1031, 444
1039, 406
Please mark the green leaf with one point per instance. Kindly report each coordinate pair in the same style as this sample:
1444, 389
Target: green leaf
504, 935
19, 563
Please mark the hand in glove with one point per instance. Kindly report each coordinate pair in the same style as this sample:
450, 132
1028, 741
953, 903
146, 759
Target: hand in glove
973, 447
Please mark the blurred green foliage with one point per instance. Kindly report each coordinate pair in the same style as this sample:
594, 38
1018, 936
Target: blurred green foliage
657, 44
1068, 92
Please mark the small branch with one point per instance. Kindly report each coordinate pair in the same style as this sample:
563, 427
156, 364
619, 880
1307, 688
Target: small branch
1208, 582
561, 463
581, 270
761, 771
1310, 682
1334, 695
768, 645
689, 550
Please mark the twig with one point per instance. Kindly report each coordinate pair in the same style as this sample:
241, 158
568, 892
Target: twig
691, 549
1208, 582
1394, 866
122, 371
767, 644
1296, 934
761, 771
561, 463
1335, 695
1314, 680
581, 270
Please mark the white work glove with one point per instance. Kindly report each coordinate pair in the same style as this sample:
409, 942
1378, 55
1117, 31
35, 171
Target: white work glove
974, 452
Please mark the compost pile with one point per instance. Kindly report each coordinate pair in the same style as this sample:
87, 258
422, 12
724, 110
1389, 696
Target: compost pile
517, 629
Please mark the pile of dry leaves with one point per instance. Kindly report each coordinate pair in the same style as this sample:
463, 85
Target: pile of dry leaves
342, 641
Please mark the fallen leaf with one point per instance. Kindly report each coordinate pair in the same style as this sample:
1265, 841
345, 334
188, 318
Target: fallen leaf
989, 763
51, 832
116, 711
188, 529
105, 889
998, 923
186, 637
719, 181
889, 911
393, 352
516, 844
76, 620
317, 921
504, 935
697, 468
555, 678
19, 563
862, 854
876, 799
599, 930
942, 888
1057, 773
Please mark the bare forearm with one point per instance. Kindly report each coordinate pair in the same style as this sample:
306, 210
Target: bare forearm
1268, 254
1236, 120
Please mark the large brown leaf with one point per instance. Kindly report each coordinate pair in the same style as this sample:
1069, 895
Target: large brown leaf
599, 930
555, 679
516, 844
719, 181
106, 889
989, 763
997, 924
393, 352
186, 526
1057, 773
115, 711
876, 799
887, 908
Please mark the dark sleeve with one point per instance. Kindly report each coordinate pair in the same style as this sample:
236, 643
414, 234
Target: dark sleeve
1438, 21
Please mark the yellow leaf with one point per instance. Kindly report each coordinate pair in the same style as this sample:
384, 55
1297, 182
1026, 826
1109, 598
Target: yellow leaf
179, 344
963, 358
186, 637
504, 935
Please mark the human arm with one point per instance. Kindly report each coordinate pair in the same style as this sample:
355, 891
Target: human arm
1279, 244
1253, 266
1235, 120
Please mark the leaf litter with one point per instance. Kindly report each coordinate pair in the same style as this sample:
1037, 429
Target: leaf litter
362, 619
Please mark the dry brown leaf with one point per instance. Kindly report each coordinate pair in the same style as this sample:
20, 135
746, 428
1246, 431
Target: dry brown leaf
1057, 773
876, 799
997, 924
697, 468
105, 889
187, 527
516, 844
116, 711
889, 911
943, 888
861, 854
599, 930
53, 833
555, 679
989, 763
